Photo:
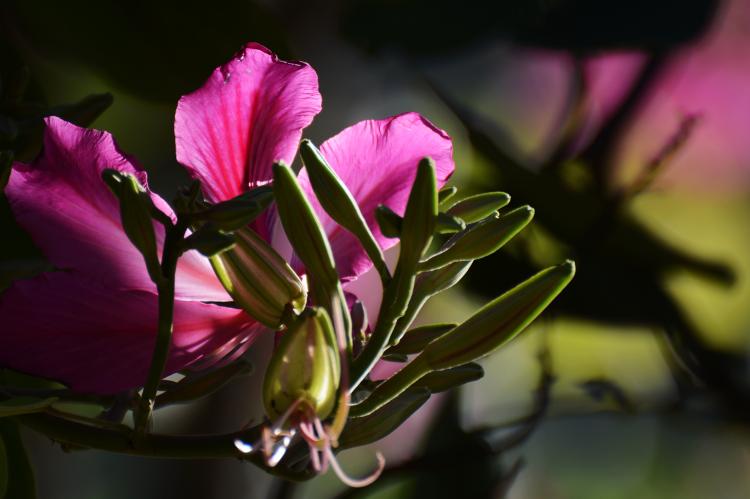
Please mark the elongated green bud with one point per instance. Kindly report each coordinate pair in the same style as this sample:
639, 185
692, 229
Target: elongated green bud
305, 366
339, 203
441, 381
420, 216
258, 279
481, 239
427, 285
478, 207
445, 195
309, 241
136, 214
499, 321
388, 221
239, 211
448, 224
415, 340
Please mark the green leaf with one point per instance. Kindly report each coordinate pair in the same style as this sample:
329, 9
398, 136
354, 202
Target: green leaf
19, 473
237, 212
339, 203
309, 242
388, 221
414, 340
499, 321
440, 381
481, 239
209, 241
24, 405
258, 279
478, 207
195, 386
368, 429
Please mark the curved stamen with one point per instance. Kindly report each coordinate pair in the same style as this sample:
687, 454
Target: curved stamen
355, 482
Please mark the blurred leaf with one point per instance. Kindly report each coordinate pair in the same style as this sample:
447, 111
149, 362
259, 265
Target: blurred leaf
369, 429
20, 475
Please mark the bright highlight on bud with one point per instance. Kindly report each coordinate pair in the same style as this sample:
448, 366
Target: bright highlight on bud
258, 279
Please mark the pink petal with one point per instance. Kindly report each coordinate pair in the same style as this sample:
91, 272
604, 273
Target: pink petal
377, 160
249, 114
64, 326
62, 201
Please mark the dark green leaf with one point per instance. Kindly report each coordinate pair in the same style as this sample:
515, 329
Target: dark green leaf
210, 241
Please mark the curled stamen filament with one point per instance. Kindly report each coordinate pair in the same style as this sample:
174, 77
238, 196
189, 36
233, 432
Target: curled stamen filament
355, 482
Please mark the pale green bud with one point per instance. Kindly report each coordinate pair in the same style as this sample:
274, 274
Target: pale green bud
477, 207
258, 279
305, 366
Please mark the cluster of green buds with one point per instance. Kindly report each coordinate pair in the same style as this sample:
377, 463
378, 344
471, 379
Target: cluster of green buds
318, 393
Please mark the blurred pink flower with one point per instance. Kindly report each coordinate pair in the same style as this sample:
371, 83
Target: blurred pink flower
92, 323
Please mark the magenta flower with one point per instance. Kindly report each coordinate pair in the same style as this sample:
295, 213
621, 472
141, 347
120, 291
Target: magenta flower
91, 323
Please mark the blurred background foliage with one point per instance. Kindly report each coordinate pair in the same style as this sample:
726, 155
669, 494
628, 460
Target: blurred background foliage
625, 124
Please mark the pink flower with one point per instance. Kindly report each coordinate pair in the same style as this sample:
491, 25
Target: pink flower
91, 323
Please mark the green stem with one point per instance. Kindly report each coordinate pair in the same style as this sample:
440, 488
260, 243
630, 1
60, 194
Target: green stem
165, 288
395, 300
118, 439
391, 388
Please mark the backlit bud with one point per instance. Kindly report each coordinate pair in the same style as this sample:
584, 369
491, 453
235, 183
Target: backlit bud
259, 280
136, 211
477, 207
305, 367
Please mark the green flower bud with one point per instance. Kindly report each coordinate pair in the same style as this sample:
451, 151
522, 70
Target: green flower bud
259, 280
478, 207
420, 216
136, 211
305, 366
339, 203
446, 194
499, 321
481, 239
209, 240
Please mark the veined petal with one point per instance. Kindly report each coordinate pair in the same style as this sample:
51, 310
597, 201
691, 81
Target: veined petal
249, 114
377, 160
96, 339
70, 213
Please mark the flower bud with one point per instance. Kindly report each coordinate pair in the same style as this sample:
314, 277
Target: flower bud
136, 211
499, 321
305, 366
388, 221
339, 203
259, 280
481, 239
478, 207
420, 216
239, 211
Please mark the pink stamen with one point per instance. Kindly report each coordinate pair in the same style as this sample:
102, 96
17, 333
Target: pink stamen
354, 482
